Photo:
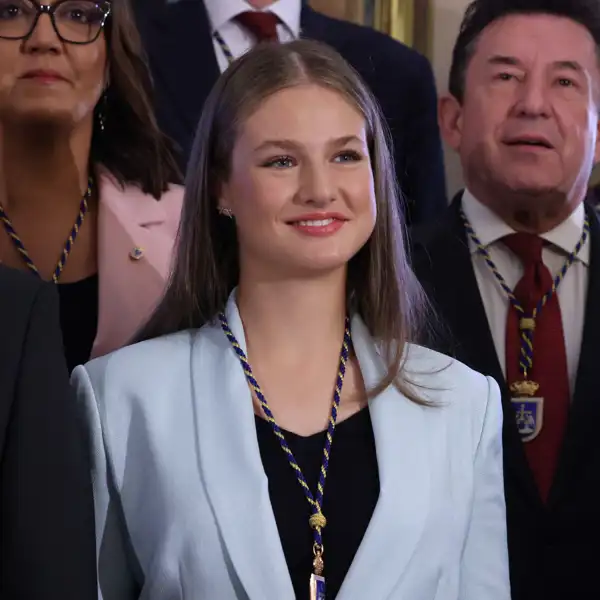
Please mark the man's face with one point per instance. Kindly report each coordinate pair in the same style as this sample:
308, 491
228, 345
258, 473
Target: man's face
529, 117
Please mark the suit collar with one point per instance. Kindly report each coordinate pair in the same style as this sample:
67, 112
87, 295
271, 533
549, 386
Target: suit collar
243, 508
456, 286
490, 228
289, 12
220, 12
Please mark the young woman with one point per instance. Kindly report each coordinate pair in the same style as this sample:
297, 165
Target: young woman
85, 173
277, 434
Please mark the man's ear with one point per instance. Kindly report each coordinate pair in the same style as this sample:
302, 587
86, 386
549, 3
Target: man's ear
450, 120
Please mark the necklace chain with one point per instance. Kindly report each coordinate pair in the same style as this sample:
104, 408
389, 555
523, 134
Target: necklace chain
18, 244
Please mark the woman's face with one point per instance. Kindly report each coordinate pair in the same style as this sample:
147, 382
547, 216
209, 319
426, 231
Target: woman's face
301, 186
43, 78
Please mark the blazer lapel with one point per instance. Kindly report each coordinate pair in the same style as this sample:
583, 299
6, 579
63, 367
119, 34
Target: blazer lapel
446, 271
581, 439
231, 465
453, 286
128, 287
399, 517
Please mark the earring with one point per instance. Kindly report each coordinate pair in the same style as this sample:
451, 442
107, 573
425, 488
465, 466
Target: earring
101, 113
226, 212
101, 119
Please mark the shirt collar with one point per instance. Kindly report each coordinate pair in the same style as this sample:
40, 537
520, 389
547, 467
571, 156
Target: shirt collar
223, 11
490, 228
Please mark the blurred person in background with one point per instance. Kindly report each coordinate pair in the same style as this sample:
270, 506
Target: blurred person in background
47, 547
190, 42
89, 200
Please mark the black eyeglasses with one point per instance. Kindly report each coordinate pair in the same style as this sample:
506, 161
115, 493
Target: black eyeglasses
74, 21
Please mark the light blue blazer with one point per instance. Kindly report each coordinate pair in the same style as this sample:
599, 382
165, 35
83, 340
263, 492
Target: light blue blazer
182, 501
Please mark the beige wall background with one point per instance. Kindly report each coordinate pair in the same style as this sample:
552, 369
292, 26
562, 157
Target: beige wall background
445, 19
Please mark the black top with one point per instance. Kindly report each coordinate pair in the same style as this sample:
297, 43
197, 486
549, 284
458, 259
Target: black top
351, 493
79, 319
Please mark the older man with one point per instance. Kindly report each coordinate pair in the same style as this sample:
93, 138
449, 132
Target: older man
514, 270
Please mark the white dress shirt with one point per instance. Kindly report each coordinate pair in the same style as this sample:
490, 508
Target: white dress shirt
572, 291
222, 12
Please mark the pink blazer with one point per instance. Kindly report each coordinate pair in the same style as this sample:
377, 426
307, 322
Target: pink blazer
136, 236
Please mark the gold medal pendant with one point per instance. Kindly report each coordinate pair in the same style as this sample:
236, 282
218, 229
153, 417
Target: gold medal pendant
529, 410
525, 388
317, 581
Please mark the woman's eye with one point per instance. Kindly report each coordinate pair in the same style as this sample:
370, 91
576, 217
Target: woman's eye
348, 156
83, 13
76, 15
281, 162
9, 11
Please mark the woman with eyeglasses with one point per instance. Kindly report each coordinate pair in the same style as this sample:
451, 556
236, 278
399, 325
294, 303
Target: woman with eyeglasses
277, 433
90, 198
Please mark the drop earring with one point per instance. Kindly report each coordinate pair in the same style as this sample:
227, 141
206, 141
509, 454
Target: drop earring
226, 212
101, 113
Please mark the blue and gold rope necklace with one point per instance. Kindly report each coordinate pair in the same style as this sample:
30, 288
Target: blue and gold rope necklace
18, 244
317, 520
525, 387
224, 47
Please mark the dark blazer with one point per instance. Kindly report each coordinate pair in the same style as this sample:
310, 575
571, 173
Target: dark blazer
47, 543
553, 549
179, 44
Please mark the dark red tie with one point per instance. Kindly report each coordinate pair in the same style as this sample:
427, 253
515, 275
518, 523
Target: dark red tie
262, 25
549, 368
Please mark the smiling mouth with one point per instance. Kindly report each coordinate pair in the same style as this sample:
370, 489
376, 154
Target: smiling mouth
315, 222
318, 227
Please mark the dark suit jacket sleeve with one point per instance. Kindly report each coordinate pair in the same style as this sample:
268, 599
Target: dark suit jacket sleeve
423, 181
46, 506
